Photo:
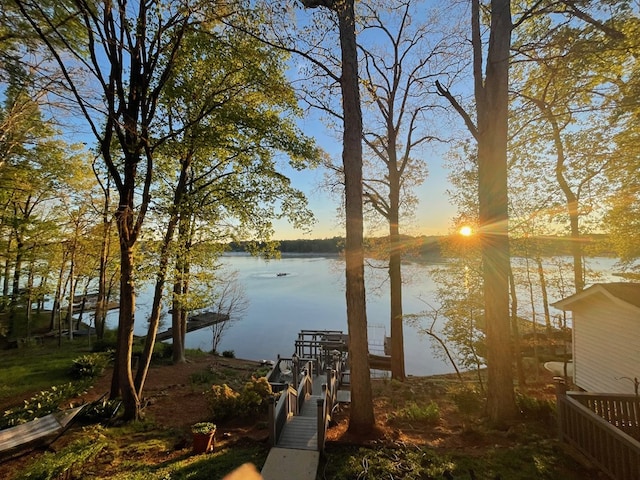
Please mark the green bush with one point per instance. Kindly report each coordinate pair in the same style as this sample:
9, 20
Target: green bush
162, 351
222, 401
253, 399
88, 366
467, 398
229, 354
428, 413
536, 408
41, 404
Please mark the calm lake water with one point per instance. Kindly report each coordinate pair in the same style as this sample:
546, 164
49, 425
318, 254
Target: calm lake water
311, 296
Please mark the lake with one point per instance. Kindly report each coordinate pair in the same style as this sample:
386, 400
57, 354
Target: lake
312, 296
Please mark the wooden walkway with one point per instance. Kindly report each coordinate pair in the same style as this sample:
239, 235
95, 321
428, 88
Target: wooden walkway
301, 431
296, 454
297, 424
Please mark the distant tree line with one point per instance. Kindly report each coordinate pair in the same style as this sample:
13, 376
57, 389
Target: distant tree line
429, 248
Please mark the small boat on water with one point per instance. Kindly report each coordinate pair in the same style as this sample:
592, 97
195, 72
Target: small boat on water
282, 274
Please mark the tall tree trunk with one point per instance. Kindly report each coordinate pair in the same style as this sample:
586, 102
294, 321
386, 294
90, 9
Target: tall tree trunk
154, 319
545, 296
6, 275
100, 314
178, 317
515, 329
492, 97
15, 287
395, 286
29, 298
122, 380
58, 295
571, 201
41, 288
72, 291
123, 377
361, 417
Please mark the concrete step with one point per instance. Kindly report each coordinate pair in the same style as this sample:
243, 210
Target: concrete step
286, 463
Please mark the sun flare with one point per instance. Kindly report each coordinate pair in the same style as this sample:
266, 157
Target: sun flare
466, 231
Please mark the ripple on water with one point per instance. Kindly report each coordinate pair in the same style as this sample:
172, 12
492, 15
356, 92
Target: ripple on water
274, 275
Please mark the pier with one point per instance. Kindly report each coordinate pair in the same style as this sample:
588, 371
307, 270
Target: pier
313, 382
195, 322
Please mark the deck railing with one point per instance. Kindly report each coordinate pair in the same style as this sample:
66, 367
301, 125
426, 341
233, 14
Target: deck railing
601, 427
291, 399
316, 351
329, 399
279, 412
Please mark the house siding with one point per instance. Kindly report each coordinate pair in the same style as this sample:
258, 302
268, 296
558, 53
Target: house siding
606, 345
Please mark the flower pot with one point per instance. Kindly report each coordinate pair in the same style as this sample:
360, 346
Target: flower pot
204, 442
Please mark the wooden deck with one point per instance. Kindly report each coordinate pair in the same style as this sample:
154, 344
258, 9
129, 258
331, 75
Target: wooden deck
196, 322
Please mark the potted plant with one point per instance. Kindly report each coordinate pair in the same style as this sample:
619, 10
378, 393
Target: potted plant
203, 437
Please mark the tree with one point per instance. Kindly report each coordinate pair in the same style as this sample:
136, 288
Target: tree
361, 417
558, 109
490, 132
397, 77
217, 176
129, 59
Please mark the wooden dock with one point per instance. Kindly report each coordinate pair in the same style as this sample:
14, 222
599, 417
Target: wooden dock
195, 322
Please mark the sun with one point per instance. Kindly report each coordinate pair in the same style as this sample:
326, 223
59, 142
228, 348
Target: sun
466, 231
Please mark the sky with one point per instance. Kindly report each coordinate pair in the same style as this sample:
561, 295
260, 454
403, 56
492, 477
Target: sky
433, 214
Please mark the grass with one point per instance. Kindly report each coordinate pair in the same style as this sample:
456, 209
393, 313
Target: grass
543, 460
139, 452
424, 413
35, 368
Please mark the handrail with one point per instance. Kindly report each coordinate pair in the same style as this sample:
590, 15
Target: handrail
291, 400
620, 410
319, 351
611, 449
593, 423
279, 413
325, 406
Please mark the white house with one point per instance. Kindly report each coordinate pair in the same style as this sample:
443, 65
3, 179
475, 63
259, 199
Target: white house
606, 336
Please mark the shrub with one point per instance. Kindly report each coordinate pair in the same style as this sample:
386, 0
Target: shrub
535, 408
229, 354
88, 366
467, 398
104, 345
162, 351
429, 413
222, 401
41, 404
101, 411
253, 398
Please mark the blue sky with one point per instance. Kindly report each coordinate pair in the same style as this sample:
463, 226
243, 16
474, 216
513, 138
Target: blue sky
433, 214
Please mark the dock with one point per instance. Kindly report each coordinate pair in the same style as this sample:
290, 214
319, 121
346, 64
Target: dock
195, 322
311, 385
